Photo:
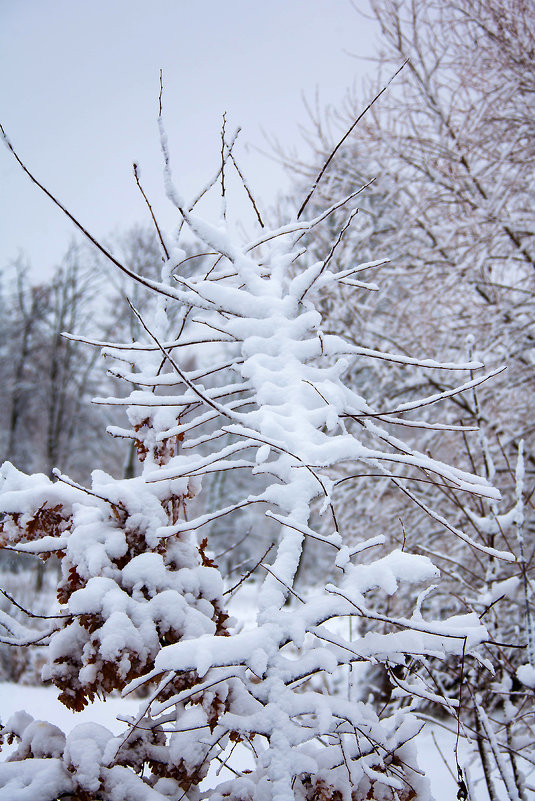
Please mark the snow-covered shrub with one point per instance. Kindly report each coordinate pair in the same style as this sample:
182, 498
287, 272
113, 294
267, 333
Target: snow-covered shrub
142, 604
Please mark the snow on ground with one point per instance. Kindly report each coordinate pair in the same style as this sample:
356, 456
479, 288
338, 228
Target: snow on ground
42, 704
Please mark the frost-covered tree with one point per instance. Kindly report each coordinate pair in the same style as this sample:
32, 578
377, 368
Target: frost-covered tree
449, 147
141, 603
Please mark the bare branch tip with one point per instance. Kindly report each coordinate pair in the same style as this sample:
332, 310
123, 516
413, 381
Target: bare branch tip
161, 93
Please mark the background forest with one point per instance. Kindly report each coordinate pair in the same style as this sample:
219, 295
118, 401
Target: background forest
444, 162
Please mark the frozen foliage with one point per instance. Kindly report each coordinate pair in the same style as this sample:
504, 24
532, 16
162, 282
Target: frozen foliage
142, 603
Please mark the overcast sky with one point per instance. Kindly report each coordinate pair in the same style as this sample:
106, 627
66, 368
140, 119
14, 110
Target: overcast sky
79, 92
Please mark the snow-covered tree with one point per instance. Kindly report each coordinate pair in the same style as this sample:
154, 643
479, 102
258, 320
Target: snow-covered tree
141, 603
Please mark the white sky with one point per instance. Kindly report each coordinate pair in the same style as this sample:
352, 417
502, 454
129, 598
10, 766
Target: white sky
79, 90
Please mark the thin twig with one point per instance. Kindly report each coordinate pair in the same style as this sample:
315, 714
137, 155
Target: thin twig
223, 196
75, 485
145, 198
271, 573
332, 250
344, 137
32, 614
250, 572
246, 187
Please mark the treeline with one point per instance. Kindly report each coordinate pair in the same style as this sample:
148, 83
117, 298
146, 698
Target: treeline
47, 419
